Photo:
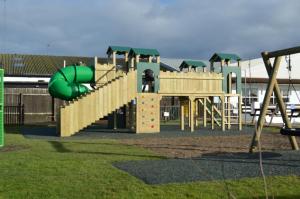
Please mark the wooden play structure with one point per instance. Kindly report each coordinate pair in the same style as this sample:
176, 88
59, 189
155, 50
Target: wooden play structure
272, 70
136, 85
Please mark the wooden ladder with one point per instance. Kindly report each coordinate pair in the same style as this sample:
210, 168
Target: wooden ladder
215, 109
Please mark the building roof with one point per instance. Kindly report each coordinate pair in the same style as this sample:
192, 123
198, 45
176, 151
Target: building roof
217, 57
38, 65
120, 50
192, 63
20, 65
255, 68
144, 52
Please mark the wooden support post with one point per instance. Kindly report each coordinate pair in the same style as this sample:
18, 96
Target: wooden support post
126, 62
189, 113
137, 59
131, 64
222, 63
114, 58
158, 59
52, 109
223, 112
204, 112
131, 116
240, 112
196, 112
228, 113
182, 116
192, 116
212, 114
115, 119
272, 85
229, 83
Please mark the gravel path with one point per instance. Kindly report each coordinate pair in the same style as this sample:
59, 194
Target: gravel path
186, 147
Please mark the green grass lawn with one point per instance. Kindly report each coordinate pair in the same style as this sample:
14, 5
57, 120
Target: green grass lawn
83, 169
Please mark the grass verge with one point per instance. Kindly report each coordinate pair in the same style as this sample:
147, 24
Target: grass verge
83, 169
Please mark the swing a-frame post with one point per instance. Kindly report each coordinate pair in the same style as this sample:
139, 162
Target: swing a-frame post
273, 86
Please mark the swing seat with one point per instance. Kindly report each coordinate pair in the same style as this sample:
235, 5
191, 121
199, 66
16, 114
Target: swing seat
290, 131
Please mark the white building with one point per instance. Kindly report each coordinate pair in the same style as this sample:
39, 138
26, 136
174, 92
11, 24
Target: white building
255, 80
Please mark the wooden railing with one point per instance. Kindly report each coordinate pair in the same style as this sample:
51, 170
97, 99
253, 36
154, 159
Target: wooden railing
190, 82
97, 104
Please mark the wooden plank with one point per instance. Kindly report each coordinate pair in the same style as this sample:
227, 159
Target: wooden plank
212, 115
192, 105
223, 112
273, 72
196, 112
228, 113
204, 112
283, 52
266, 102
240, 112
101, 103
182, 115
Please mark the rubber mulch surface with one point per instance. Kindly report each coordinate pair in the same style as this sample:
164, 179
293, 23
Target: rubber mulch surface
213, 167
98, 132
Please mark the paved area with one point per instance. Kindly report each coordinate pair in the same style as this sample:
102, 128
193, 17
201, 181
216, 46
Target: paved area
213, 167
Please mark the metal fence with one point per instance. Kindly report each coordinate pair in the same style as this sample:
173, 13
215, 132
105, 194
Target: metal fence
38, 105
14, 115
174, 112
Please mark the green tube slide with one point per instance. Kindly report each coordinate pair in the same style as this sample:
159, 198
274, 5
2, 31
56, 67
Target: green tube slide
66, 83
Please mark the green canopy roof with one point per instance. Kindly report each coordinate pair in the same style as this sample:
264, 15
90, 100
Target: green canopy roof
143, 52
217, 57
120, 50
192, 63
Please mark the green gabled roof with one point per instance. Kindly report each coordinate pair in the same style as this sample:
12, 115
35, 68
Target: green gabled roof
143, 52
217, 57
192, 63
120, 50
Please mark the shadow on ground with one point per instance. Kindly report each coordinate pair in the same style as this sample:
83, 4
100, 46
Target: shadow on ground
61, 148
101, 132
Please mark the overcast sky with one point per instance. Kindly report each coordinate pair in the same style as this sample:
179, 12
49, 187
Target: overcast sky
192, 29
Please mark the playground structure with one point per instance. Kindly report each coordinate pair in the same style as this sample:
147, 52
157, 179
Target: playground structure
136, 86
273, 86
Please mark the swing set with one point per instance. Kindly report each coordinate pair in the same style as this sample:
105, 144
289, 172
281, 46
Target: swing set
273, 86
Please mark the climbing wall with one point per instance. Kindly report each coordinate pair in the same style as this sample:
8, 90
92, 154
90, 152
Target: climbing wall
148, 113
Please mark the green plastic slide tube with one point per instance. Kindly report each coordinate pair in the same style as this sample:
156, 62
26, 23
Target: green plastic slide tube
66, 83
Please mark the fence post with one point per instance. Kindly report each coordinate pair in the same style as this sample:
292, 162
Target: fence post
53, 109
20, 109
23, 114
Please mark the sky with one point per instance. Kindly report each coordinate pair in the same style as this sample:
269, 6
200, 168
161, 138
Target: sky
191, 29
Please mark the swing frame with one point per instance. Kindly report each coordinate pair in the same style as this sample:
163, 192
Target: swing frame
272, 71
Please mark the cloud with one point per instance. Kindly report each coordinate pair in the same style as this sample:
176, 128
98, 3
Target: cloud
178, 29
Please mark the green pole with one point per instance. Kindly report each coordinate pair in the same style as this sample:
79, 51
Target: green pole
1, 107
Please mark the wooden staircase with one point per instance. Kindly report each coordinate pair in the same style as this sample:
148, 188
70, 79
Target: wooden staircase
86, 109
